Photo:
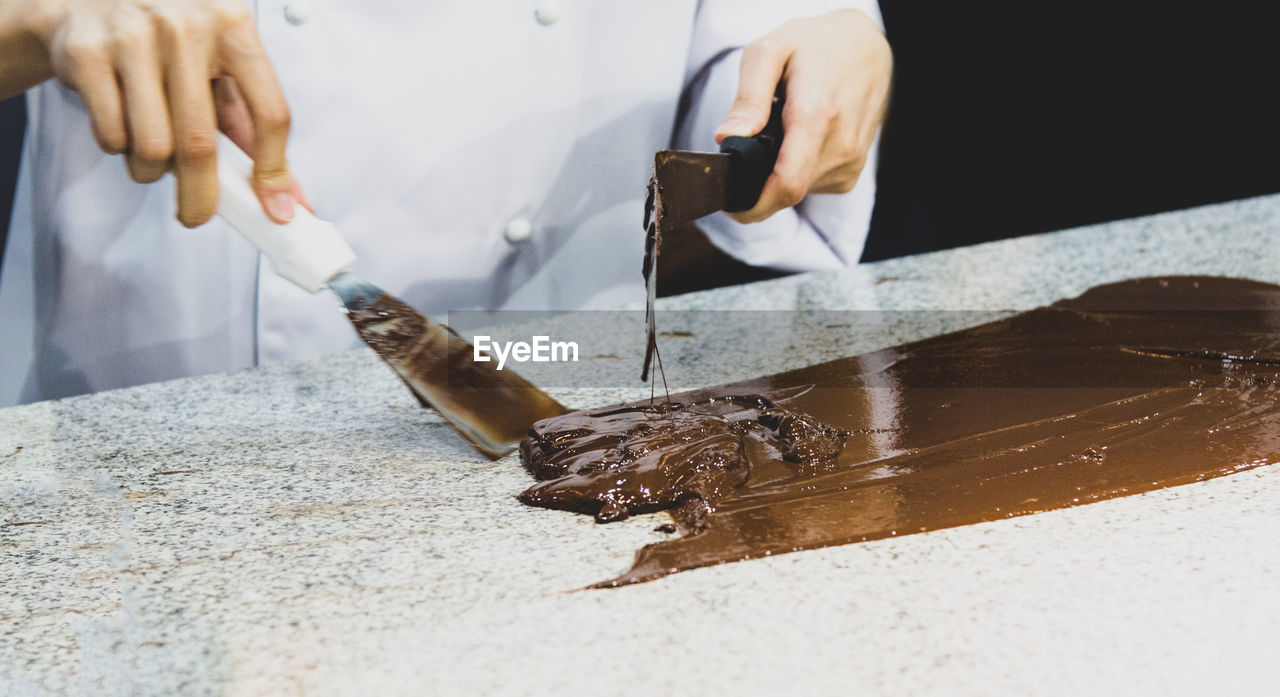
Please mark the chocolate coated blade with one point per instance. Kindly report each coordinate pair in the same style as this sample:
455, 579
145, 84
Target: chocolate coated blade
689, 184
491, 408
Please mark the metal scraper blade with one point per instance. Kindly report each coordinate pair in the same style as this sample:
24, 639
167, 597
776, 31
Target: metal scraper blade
689, 185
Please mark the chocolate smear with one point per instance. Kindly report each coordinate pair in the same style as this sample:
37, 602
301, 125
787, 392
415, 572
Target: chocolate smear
1130, 387
659, 456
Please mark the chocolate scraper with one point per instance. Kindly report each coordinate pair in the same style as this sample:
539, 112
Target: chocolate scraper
688, 185
491, 408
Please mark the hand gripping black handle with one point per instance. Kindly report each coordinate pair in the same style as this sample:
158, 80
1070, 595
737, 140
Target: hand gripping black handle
751, 160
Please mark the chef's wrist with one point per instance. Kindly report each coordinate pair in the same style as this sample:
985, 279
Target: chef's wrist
25, 30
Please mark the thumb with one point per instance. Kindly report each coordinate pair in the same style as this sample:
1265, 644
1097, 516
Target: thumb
762, 67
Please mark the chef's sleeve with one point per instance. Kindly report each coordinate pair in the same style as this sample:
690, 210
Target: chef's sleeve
824, 231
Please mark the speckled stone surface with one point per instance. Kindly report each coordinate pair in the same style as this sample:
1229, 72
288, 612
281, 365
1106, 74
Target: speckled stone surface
306, 529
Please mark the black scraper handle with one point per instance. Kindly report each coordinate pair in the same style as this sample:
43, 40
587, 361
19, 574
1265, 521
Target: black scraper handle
752, 159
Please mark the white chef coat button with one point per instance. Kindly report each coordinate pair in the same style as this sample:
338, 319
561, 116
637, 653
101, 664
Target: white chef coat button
518, 230
548, 12
297, 11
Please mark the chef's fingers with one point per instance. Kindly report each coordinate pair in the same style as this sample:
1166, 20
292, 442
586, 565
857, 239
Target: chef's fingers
805, 121
243, 58
763, 62
146, 112
233, 114
843, 154
840, 180
84, 64
235, 121
865, 99
195, 133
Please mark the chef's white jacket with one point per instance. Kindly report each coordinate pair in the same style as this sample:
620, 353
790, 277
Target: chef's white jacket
474, 154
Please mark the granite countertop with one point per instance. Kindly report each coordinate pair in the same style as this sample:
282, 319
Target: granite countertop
306, 529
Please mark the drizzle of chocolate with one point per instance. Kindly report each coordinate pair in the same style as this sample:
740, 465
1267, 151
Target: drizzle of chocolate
652, 248
1130, 387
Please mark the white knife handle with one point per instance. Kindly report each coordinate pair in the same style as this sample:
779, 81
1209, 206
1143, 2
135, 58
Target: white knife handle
307, 251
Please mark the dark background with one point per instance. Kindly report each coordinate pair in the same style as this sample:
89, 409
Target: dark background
1010, 118
13, 120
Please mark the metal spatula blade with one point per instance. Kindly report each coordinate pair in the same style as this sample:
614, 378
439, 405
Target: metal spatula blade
491, 408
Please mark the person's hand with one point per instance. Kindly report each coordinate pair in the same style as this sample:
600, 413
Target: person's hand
159, 77
836, 71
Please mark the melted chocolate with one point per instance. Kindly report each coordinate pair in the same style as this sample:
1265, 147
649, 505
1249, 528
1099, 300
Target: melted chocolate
1130, 387
659, 456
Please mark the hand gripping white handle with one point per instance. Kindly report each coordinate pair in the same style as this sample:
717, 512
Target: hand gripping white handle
306, 250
